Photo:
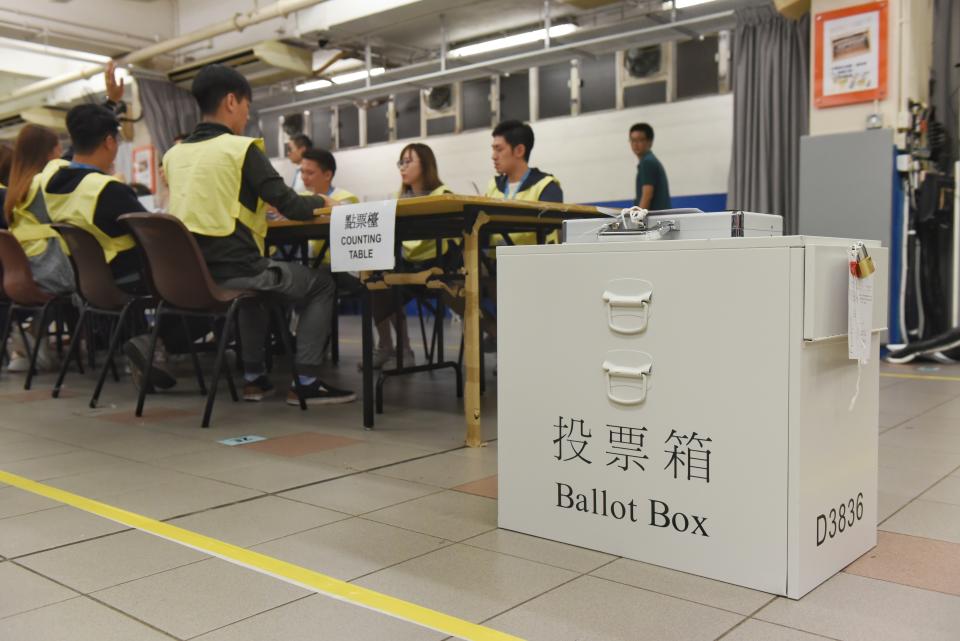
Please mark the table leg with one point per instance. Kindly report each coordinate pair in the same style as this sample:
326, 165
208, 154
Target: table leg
367, 340
471, 328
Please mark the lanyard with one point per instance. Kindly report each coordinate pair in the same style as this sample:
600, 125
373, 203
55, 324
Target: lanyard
331, 190
510, 196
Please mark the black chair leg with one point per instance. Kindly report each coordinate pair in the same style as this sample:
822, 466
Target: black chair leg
218, 363
284, 336
193, 356
73, 350
41, 337
7, 321
335, 333
151, 349
111, 350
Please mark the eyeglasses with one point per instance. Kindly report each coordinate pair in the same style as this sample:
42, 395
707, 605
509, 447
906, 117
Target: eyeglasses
404, 162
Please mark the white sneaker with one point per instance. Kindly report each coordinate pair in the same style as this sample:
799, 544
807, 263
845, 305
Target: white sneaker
20, 362
388, 357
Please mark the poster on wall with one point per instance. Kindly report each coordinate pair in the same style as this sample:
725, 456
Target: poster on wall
850, 63
145, 167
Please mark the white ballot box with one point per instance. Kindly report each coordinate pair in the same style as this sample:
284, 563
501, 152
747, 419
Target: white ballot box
691, 404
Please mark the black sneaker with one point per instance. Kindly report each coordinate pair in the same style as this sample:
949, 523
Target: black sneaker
320, 393
160, 376
255, 391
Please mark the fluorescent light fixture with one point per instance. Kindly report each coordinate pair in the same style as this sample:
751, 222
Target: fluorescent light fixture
683, 4
313, 84
342, 79
347, 78
556, 31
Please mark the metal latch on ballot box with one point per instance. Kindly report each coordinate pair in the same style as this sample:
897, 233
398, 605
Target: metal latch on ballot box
628, 304
627, 373
633, 222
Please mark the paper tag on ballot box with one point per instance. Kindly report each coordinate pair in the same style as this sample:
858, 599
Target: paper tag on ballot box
859, 304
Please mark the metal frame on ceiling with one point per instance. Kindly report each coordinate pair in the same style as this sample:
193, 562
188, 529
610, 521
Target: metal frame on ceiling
427, 74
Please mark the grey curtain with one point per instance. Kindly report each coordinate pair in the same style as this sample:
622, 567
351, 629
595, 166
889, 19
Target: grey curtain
168, 110
946, 72
771, 58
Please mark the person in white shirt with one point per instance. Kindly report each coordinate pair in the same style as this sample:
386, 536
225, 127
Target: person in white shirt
295, 148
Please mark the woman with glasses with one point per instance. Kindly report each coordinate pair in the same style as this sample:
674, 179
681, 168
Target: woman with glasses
419, 176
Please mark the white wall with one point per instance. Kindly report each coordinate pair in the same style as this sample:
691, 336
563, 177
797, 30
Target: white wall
589, 154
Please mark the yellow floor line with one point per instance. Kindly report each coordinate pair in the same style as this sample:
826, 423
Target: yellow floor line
287, 572
922, 377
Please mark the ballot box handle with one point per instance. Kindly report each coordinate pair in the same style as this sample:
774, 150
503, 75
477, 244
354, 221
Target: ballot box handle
640, 302
640, 373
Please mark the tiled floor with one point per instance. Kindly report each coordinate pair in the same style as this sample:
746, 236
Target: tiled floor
407, 511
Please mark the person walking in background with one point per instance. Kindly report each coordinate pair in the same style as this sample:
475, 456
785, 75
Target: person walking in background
653, 189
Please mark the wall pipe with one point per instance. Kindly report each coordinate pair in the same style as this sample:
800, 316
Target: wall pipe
238, 23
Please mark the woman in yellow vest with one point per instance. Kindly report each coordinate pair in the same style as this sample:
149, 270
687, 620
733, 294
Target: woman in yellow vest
419, 176
36, 156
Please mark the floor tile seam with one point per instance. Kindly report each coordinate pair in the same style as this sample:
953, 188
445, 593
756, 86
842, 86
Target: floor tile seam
935, 407
912, 587
898, 532
753, 617
43, 509
672, 596
523, 558
256, 614
746, 617
82, 595
937, 501
397, 478
207, 557
372, 470
901, 583
75, 593
385, 507
66, 545
447, 543
930, 487
487, 620
346, 517
406, 529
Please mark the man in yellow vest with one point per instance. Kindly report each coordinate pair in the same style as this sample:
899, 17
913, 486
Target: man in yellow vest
516, 179
84, 194
220, 185
317, 169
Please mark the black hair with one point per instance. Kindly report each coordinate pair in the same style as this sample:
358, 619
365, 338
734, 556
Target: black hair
643, 127
323, 158
180, 136
216, 82
516, 133
89, 125
140, 189
302, 140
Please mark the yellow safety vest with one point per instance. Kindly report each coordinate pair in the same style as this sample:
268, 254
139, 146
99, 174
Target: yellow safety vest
32, 233
343, 197
417, 251
205, 179
530, 194
79, 206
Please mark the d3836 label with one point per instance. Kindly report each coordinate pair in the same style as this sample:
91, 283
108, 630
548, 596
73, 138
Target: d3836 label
839, 519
